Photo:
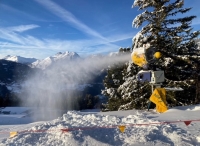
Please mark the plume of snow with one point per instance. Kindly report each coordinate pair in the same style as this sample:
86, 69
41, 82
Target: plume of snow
53, 86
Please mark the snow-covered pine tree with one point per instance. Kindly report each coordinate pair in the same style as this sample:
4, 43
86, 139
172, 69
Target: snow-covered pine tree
122, 88
173, 37
135, 95
166, 30
112, 81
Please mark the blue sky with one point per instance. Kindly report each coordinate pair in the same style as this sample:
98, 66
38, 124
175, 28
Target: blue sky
41, 28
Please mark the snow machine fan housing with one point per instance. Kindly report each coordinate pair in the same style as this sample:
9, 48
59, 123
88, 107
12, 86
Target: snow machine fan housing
145, 55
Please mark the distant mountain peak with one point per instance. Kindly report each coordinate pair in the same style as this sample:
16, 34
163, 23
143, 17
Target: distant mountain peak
19, 59
59, 53
44, 63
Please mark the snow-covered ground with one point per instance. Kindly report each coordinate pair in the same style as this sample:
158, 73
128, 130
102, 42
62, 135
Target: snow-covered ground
96, 128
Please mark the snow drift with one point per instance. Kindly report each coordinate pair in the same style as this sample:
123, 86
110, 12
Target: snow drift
102, 129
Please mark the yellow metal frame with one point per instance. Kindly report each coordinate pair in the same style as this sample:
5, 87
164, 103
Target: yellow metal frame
159, 98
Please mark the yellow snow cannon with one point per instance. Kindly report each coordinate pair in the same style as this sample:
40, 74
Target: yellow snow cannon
138, 57
144, 55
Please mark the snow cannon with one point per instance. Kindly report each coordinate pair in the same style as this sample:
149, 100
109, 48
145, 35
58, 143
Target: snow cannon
144, 55
153, 77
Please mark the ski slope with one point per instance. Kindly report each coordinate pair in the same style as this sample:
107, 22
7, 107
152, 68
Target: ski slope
75, 128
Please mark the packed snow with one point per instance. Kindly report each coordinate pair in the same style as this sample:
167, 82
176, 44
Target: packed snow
102, 128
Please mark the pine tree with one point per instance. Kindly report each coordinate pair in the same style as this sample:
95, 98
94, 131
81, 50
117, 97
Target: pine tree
112, 81
173, 37
123, 89
135, 95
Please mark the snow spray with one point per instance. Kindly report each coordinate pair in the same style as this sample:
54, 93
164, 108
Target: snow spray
54, 87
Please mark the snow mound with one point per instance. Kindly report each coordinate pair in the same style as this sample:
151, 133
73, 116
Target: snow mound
102, 130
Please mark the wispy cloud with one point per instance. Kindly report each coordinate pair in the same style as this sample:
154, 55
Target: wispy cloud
69, 17
106, 43
12, 39
22, 28
121, 37
14, 11
22, 44
19, 43
12, 33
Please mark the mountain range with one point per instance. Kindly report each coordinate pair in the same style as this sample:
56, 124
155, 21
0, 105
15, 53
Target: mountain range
44, 63
14, 70
19, 59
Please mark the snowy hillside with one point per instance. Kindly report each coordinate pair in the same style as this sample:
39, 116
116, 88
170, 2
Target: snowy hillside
12, 75
57, 57
177, 126
19, 59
